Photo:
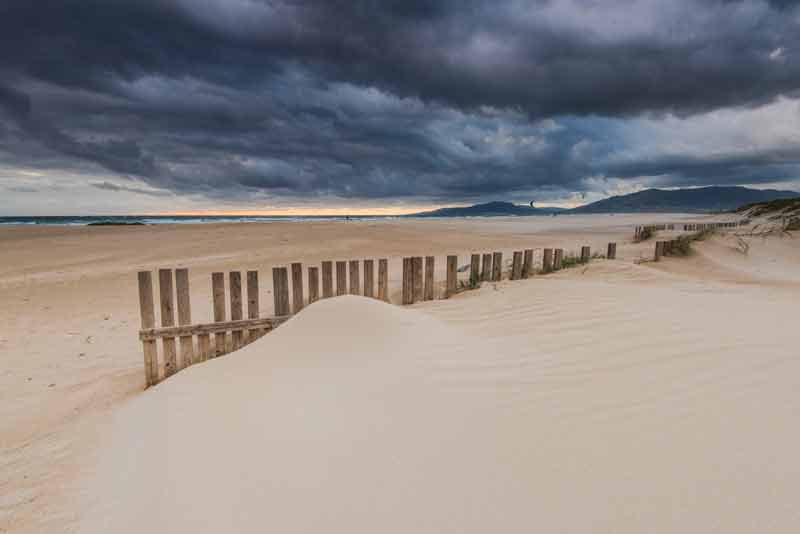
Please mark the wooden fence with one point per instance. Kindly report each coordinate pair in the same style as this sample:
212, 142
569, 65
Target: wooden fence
237, 315
689, 227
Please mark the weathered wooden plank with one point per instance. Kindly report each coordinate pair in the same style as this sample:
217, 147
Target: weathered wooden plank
547, 260
586, 254
203, 347
355, 278
280, 290
486, 268
184, 316
516, 265
165, 289
327, 279
408, 283
429, 281
218, 296
253, 304
383, 280
558, 259
267, 323
369, 278
235, 289
659, 251
497, 266
298, 300
313, 284
612, 251
341, 278
452, 275
474, 270
148, 319
527, 264
416, 276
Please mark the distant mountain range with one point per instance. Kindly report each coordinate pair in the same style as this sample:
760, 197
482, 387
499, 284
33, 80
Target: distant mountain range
701, 199
696, 200
490, 209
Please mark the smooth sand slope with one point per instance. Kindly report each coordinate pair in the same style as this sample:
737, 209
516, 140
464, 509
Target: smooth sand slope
620, 399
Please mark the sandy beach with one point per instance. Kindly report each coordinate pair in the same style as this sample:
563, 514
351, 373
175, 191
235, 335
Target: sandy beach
619, 397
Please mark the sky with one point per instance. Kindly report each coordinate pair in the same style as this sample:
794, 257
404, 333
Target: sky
368, 106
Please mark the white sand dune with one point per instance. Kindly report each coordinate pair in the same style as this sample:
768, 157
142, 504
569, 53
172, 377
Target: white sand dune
620, 398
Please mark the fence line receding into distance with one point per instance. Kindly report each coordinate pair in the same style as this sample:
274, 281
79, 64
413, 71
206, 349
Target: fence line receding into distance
184, 342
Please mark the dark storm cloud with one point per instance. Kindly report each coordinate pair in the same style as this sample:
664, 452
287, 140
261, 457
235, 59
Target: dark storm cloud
364, 99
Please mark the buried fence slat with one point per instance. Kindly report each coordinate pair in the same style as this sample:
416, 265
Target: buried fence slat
355, 279
497, 266
659, 251
486, 268
516, 265
417, 287
280, 290
474, 270
383, 279
341, 278
327, 279
452, 275
585, 254
184, 316
148, 317
298, 300
253, 302
429, 268
218, 295
408, 284
235, 288
167, 319
558, 259
267, 323
313, 284
369, 278
612, 251
527, 263
547, 260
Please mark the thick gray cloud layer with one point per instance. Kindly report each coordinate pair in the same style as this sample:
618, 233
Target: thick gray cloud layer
363, 99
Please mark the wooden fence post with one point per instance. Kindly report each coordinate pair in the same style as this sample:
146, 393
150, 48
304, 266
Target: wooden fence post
417, 281
235, 287
369, 278
547, 260
313, 284
486, 268
253, 305
585, 254
612, 251
558, 259
327, 279
341, 278
148, 317
429, 267
497, 266
167, 319
452, 275
280, 290
408, 283
218, 296
383, 280
474, 270
659, 250
355, 278
516, 265
298, 299
527, 263
184, 316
